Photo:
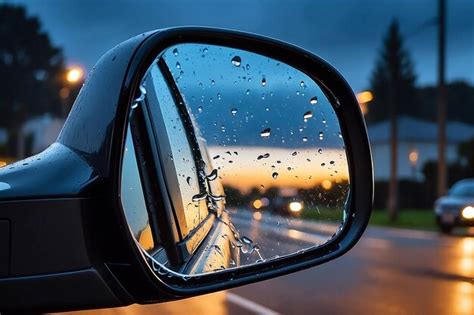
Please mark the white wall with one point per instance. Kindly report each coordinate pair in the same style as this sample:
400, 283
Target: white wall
426, 151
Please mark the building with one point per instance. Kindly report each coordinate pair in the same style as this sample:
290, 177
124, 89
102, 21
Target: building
417, 144
38, 133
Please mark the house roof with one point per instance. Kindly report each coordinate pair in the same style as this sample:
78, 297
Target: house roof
416, 130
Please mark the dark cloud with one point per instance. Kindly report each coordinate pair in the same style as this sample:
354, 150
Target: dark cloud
346, 33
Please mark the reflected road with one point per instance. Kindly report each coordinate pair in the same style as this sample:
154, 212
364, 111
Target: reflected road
390, 271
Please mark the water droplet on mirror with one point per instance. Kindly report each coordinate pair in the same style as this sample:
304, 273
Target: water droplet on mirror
233, 111
218, 250
305, 139
313, 100
200, 109
247, 92
247, 240
178, 65
332, 162
189, 180
293, 154
199, 197
320, 151
302, 84
307, 115
265, 133
321, 135
213, 175
175, 52
236, 61
275, 175
264, 156
264, 82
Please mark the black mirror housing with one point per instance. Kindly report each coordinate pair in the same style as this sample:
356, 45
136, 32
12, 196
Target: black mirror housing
69, 243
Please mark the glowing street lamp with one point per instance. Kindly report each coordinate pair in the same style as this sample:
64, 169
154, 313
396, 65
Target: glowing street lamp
74, 74
363, 98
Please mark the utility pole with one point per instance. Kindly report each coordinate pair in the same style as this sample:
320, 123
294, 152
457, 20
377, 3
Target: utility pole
442, 176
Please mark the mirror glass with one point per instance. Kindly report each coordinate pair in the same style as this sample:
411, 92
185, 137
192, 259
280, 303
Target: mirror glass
252, 155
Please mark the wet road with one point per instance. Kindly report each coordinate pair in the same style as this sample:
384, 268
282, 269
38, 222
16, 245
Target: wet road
390, 271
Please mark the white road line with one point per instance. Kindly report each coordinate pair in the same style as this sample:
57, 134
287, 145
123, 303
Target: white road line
249, 305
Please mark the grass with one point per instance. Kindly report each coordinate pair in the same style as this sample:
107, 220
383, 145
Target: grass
420, 219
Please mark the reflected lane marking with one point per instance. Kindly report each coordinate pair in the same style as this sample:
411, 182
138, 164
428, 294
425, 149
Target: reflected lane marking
249, 305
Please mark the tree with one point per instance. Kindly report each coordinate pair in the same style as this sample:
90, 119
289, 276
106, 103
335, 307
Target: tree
393, 86
393, 78
31, 71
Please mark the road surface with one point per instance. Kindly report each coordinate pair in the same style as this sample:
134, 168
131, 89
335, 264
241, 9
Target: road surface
390, 271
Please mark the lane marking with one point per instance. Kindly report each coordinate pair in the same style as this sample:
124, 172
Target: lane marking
249, 305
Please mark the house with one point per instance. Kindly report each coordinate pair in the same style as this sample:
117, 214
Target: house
417, 144
38, 133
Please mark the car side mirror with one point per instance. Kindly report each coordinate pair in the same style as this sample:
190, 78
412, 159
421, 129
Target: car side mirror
193, 160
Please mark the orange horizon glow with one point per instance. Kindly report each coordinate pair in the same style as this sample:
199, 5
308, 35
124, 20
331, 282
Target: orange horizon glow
306, 170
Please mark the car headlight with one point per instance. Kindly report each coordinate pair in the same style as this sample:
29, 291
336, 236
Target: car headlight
295, 206
468, 212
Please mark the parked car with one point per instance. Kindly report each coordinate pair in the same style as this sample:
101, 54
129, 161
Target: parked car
457, 207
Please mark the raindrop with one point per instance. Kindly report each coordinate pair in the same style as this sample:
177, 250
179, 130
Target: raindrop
323, 164
216, 157
321, 135
275, 175
320, 151
294, 153
247, 92
307, 115
233, 111
340, 135
265, 133
264, 81
199, 197
331, 162
200, 109
236, 61
247, 240
305, 139
217, 198
175, 52
264, 156
189, 180
178, 65
212, 175
313, 100
218, 250
302, 84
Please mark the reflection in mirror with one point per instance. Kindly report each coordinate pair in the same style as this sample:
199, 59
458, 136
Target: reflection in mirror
253, 159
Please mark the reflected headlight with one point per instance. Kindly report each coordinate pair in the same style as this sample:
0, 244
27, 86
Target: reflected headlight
295, 206
468, 212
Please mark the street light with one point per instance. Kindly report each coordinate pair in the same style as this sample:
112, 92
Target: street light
74, 74
363, 98
73, 77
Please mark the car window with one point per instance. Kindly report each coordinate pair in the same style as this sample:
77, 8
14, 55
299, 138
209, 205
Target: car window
181, 171
133, 200
462, 190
